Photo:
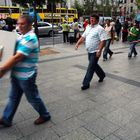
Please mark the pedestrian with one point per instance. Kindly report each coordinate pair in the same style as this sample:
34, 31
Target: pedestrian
86, 23
133, 34
9, 22
76, 29
125, 31
66, 29
23, 75
94, 37
109, 40
118, 27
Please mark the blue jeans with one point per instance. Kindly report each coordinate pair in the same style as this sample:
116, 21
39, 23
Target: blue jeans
29, 88
107, 49
93, 67
132, 49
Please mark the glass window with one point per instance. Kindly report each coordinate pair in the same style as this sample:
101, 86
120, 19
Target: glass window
4, 10
15, 10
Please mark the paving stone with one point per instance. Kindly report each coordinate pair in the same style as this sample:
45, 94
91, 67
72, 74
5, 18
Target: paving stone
28, 128
10, 133
80, 134
67, 126
89, 115
120, 117
130, 131
112, 137
101, 127
105, 108
44, 134
133, 106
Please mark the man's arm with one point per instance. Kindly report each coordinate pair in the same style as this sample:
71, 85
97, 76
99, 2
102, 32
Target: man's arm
100, 47
10, 63
80, 41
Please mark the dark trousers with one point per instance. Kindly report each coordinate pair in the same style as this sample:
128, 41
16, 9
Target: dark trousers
107, 49
65, 36
93, 67
124, 36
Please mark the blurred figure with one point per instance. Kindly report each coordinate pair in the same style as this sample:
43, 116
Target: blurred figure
9, 23
125, 31
133, 34
109, 39
86, 22
65, 28
2, 24
118, 27
75, 27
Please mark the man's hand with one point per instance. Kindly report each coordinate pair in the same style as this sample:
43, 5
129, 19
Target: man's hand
76, 47
98, 53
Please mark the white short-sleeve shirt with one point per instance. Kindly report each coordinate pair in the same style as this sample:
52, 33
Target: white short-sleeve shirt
93, 36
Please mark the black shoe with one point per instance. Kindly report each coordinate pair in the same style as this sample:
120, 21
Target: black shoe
85, 87
129, 55
135, 54
101, 79
3, 123
111, 55
104, 59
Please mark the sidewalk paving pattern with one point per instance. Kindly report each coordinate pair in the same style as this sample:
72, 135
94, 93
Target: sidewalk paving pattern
107, 111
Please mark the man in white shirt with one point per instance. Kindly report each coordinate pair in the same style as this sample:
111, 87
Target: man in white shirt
94, 37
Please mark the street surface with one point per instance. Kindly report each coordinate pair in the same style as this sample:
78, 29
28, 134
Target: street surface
106, 111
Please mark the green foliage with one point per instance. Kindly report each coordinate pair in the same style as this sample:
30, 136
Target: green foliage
78, 7
137, 2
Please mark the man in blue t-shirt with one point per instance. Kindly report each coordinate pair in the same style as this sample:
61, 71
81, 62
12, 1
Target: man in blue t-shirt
23, 76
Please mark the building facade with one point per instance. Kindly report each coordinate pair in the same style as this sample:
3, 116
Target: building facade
5, 3
127, 8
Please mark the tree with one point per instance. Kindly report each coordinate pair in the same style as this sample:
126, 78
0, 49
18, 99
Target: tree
137, 2
78, 7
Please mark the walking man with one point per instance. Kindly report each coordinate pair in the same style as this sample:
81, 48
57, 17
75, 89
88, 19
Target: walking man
133, 34
23, 76
94, 37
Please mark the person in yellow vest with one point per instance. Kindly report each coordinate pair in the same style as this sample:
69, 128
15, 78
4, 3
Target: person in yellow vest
66, 29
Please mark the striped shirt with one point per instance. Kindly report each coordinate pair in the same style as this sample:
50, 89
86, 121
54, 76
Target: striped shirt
93, 35
28, 46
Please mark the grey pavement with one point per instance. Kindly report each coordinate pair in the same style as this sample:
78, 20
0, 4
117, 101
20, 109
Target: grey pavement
107, 111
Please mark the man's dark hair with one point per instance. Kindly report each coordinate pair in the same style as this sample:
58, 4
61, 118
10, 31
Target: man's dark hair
28, 18
95, 16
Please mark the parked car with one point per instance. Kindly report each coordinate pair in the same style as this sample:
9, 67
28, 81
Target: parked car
45, 28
